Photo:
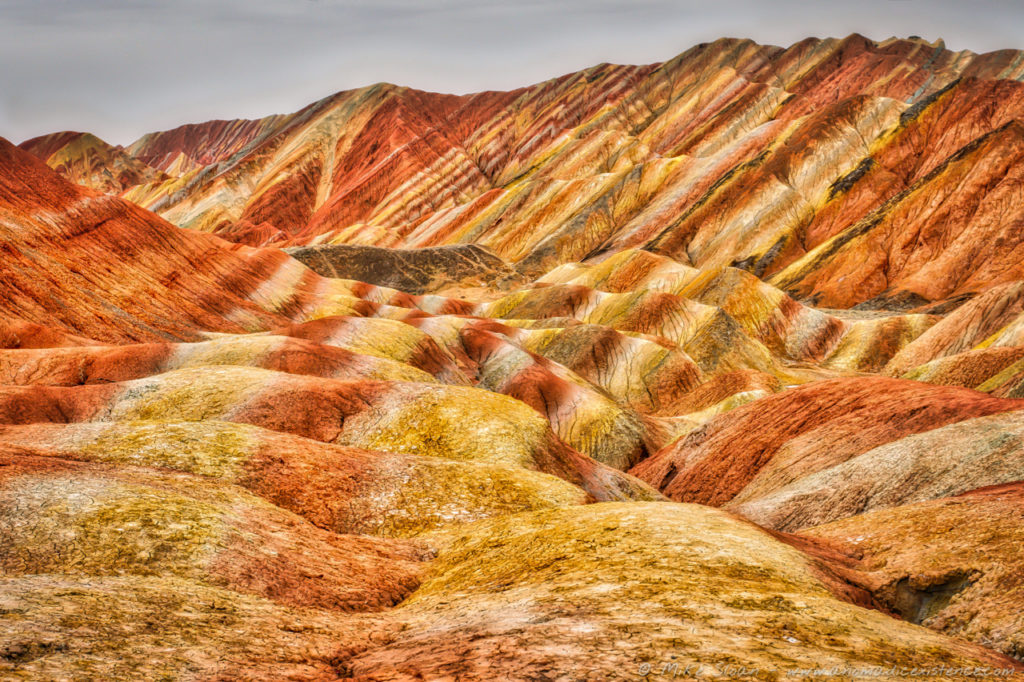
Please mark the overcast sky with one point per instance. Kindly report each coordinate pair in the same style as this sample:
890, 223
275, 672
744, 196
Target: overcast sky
120, 68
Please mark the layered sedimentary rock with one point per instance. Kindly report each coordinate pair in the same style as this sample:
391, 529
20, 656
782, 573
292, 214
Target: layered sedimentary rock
340, 489
847, 171
103, 364
545, 593
450, 422
102, 267
758, 448
938, 463
974, 324
87, 160
153, 626
128, 521
416, 386
968, 580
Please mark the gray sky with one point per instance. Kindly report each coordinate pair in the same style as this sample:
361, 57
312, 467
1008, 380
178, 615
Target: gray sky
120, 68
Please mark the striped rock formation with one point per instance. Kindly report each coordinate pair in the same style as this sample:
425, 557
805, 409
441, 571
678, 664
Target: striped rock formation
417, 386
823, 166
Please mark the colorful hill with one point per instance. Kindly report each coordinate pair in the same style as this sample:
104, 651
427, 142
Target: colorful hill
711, 367
706, 158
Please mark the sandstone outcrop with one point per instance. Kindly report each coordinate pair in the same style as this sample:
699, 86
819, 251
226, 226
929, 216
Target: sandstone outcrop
409, 386
680, 158
545, 593
84, 159
945, 461
968, 580
772, 442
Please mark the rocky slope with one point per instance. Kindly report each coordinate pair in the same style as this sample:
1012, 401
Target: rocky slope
407, 386
706, 158
417, 271
967, 583
87, 160
755, 449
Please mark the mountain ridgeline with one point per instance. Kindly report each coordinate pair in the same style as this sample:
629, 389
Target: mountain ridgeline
676, 370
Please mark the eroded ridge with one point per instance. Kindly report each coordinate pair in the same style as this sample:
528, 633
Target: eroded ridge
712, 367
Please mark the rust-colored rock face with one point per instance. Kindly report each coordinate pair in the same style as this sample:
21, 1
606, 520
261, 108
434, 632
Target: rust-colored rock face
87, 160
104, 268
778, 439
706, 368
889, 168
